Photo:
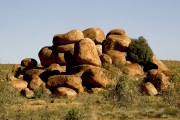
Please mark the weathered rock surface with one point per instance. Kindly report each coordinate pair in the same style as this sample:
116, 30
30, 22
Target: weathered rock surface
117, 39
35, 82
99, 49
160, 81
66, 92
92, 76
61, 59
96, 34
150, 89
134, 71
29, 62
65, 48
160, 64
47, 56
105, 59
118, 58
71, 81
68, 38
85, 52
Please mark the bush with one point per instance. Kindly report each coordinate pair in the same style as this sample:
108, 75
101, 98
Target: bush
73, 114
139, 51
126, 92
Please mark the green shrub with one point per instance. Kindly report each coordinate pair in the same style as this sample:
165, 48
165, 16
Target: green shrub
171, 111
139, 51
126, 92
73, 114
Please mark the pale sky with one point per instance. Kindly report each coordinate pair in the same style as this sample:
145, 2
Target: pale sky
28, 25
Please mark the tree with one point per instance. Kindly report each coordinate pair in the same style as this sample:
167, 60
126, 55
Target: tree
139, 51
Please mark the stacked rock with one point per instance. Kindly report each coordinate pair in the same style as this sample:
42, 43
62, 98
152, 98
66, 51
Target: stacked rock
117, 42
75, 61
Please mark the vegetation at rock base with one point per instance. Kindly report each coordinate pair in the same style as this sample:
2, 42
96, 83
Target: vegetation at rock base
125, 103
139, 51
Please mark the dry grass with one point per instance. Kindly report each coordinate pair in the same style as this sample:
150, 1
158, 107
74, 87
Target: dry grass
91, 106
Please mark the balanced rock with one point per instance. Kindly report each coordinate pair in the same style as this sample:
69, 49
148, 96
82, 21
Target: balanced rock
118, 58
68, 38
117, 39
96, 34
85, 52
29, 62
47, 56
66, 92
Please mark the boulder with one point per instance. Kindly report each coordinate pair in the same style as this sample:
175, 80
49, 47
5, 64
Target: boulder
117, 32
47, 56
150, 89
29, 62
65, 48
68, 38
27, 73
54, 67
16, 83
160, 64
118, 58
27, 93
92, 76
99, 49
160, 81
61, 59
35, 82
71, 81
75, 83
96, 90
105, 59
85, 52
16, 70
134, 71
96, 34
117, 39
65, 92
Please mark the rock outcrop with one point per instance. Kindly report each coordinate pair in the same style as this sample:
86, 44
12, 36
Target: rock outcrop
85, 61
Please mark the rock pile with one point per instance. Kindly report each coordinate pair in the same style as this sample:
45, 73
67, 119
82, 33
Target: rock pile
74, 64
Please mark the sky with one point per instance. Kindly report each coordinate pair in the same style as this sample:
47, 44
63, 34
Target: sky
28, 25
